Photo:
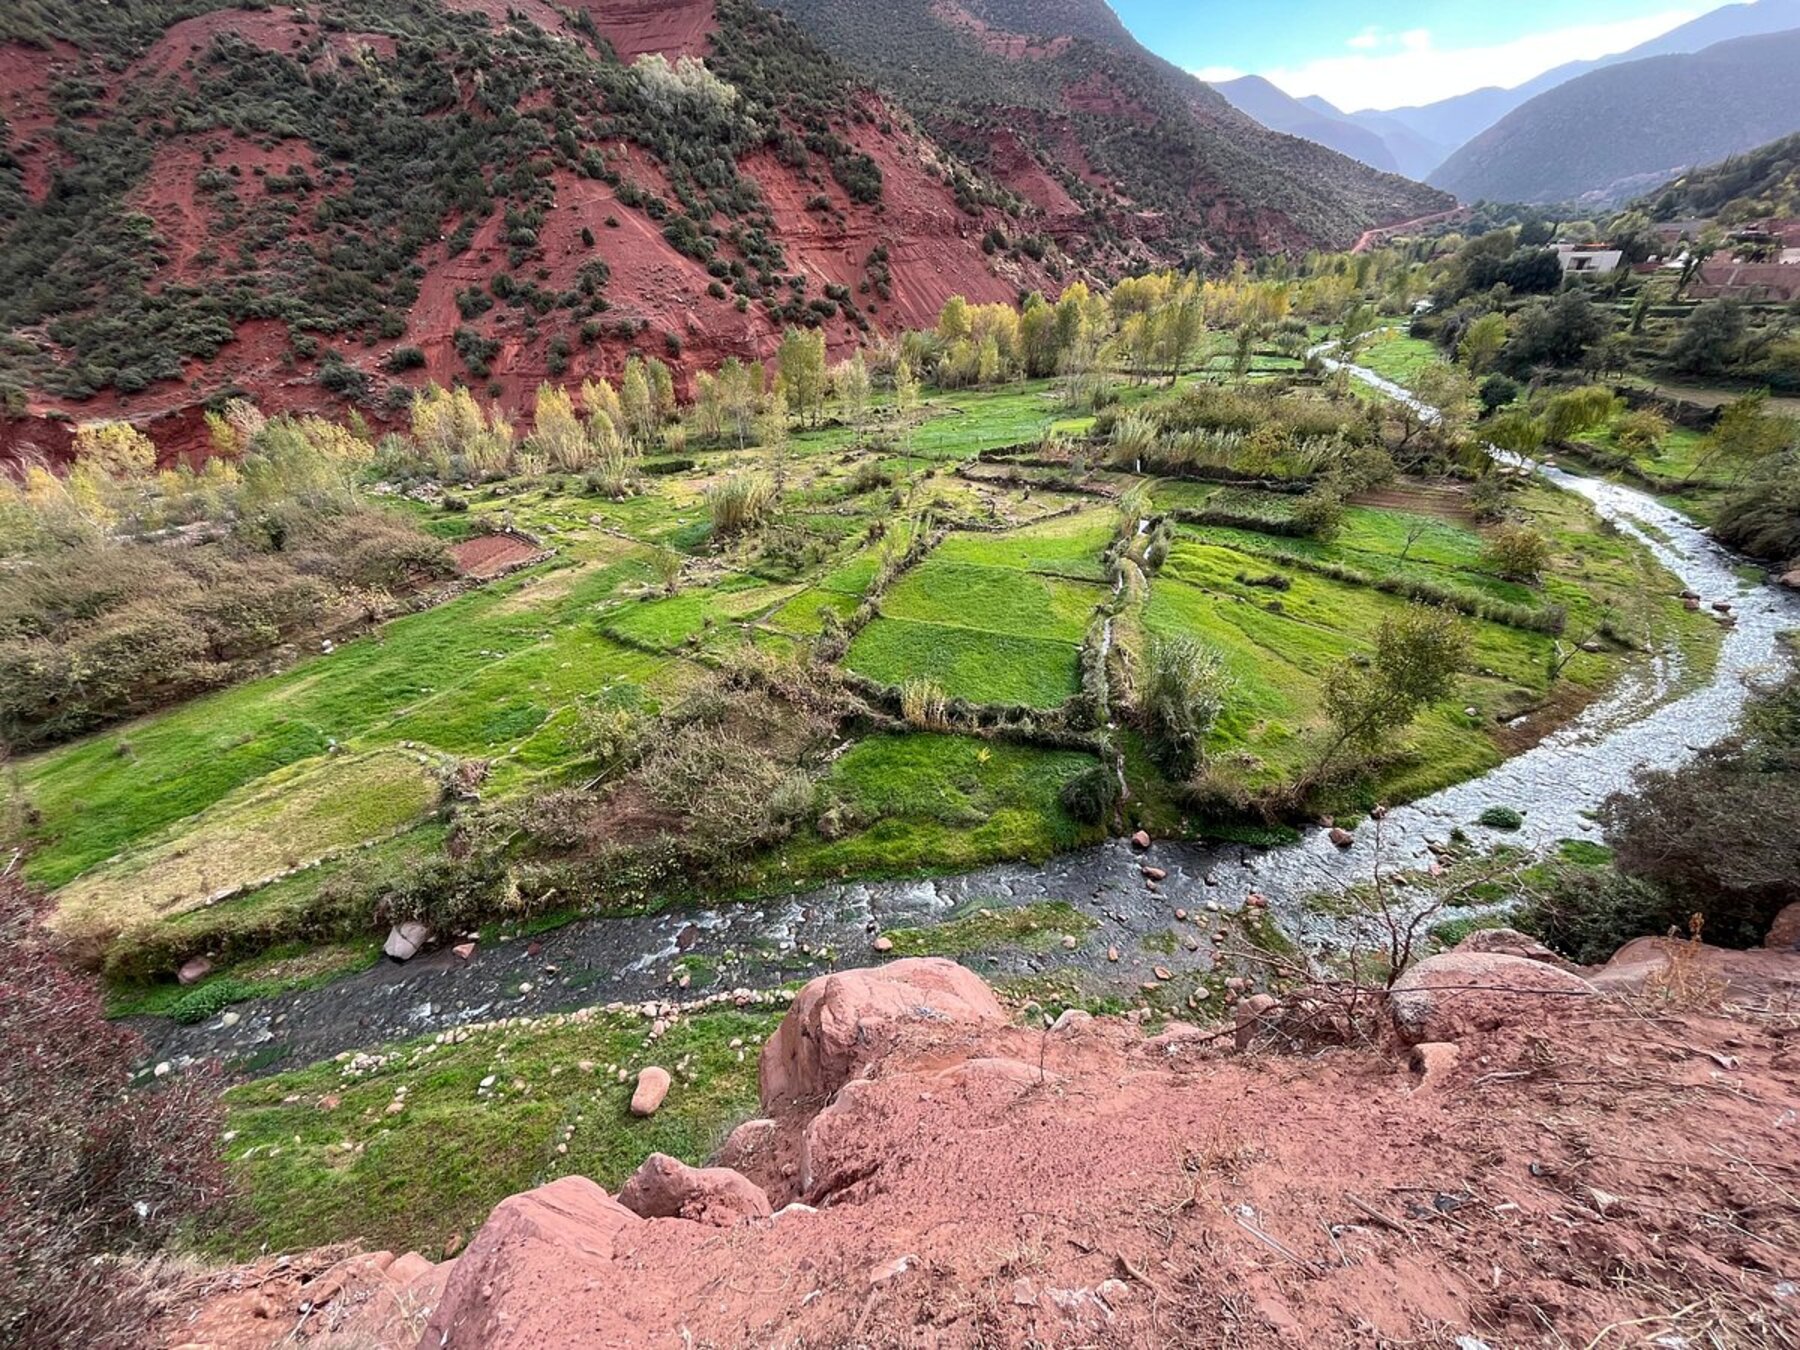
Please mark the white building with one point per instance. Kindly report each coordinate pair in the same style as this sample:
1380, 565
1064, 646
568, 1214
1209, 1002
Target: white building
1588, 261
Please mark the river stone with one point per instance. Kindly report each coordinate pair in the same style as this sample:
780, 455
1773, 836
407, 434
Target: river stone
652, 1088
194, 970
1792, 580
405, 939
1342, 837
1784, 933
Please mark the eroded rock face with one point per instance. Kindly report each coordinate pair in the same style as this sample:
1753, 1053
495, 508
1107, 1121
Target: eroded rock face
1659, 966
667, 1188
533, 1272
1784, 933
842, 1022
960, 1137
1446, 997
853, 1139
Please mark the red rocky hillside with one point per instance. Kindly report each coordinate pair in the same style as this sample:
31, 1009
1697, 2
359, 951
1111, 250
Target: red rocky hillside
324, 205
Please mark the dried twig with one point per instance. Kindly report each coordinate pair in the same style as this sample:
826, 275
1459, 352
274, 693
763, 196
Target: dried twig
1397, 1225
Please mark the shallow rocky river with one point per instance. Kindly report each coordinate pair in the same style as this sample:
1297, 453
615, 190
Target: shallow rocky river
1644, 722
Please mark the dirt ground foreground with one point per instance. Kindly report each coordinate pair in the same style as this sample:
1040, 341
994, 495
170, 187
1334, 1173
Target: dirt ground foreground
1614, 1169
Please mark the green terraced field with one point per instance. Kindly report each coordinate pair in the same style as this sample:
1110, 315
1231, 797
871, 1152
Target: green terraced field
967, 663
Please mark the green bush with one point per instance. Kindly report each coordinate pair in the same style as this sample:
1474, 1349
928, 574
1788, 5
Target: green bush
1501, 818
1089, 796
740, 502
1588, 913
209, 1000
1185, 690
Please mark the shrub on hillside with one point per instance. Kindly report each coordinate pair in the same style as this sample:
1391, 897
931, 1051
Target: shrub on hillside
1185, 689
1762, 517
1090, 794
1588, 913
1517, 552
1720, 836
94, 1169
740, 502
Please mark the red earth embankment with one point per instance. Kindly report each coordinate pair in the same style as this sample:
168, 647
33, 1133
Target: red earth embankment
928, 1172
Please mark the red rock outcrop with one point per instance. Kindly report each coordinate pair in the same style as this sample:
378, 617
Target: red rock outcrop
667, 1188
841, 1023
951, 1179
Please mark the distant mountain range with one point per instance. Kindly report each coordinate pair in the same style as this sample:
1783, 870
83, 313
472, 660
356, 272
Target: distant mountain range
1621, 130
1380, 142
1416, 141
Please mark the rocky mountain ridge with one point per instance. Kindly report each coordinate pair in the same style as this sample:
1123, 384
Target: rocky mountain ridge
1622, 130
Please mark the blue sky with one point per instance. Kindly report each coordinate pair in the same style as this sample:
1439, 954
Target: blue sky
1396, 52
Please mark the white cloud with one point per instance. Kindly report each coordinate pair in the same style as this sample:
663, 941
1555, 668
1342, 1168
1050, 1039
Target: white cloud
1390, 70
1220, 74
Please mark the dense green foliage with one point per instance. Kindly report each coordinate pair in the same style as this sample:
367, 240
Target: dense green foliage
1754, 185
1762, 517
109, 612
1708, 849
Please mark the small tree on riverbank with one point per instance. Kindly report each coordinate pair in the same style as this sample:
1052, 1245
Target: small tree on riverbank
1418, 655
1184, 692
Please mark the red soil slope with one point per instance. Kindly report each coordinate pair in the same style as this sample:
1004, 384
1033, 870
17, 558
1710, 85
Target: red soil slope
934, 247
1568, 1169
636, 27
26, 75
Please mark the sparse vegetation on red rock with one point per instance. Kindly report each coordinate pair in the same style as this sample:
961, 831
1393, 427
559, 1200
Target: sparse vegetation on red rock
976, 1182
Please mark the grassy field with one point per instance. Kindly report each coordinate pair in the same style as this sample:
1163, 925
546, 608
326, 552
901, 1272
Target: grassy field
940, 803
327, 758
1396, 356
1681, 469
1067, 547
321, 1154
971, 663
977, 928
290, 819
141, 819
1279, 626
993, 618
